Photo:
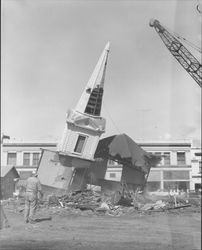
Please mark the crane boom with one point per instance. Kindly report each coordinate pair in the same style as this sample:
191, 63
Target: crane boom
183, 56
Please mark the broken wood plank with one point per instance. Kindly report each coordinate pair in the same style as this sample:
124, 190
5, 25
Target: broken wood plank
182, 206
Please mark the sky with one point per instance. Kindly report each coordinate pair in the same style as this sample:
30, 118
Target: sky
49, 49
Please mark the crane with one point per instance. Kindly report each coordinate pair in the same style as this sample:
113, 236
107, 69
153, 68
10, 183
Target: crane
178, 50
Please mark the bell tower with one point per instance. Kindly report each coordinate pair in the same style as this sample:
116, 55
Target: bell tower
84, 124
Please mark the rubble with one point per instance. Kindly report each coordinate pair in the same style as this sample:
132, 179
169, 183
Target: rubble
95, 203
119, 198
118, 203
84, 200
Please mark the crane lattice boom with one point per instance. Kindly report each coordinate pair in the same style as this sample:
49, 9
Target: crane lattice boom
183, 56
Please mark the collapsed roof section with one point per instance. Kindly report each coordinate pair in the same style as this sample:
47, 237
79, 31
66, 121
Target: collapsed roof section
123, 149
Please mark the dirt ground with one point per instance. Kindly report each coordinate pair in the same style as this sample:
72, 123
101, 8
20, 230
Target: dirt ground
176, 229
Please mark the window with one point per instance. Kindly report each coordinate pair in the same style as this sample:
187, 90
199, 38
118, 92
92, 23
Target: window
158, 154
95, 101
174, 185
167, 158
11, 160
80, 144
35, 159
26, 159
176, 175
181, 158
110, 162
112, 175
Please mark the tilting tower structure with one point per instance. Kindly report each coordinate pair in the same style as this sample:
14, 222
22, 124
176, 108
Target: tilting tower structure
66, 169
84, 125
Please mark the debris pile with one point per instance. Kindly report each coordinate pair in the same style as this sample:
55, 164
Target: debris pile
118, 204
86, 200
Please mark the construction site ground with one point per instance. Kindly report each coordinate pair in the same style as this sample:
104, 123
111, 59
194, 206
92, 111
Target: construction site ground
154, 230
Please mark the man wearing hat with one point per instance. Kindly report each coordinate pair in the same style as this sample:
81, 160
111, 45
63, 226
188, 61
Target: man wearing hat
33, 189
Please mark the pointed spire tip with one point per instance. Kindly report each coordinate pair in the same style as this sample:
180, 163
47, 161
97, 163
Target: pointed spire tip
107, 47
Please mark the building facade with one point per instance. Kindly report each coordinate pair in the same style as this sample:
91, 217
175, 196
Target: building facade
24, 156
196, 168
180, 167
174, 170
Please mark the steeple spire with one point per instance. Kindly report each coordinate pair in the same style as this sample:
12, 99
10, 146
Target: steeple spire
91, 99
84, 125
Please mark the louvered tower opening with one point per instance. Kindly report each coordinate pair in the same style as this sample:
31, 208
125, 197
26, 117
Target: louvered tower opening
95, 102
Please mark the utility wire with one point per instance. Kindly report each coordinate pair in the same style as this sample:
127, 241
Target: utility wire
112, 119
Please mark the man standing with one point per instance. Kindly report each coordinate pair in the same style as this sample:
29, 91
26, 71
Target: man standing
33, 189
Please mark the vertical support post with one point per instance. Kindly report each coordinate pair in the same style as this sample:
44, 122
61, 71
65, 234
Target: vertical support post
162, 184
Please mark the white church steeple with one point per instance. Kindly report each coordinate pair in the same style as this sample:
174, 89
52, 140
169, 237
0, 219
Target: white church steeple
84, 125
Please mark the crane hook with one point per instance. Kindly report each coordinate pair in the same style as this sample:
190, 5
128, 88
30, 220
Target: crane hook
198, 8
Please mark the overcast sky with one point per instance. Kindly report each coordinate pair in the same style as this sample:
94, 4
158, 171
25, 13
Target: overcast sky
49, 49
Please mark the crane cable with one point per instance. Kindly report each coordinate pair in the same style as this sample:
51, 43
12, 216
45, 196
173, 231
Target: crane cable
185, 40
188, 42
111, 119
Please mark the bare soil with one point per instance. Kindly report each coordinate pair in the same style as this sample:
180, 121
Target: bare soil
174, 229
